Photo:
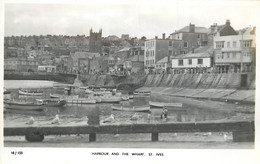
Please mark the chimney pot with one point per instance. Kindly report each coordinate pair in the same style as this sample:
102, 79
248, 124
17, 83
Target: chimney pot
163, 36
228, 22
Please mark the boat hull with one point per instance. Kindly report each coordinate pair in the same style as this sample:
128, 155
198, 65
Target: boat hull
81, 101
111, 100
129, 109
142, 93
162, 104
53, 102
18, 106
21, 92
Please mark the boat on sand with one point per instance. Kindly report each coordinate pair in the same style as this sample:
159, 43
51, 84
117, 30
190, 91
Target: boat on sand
132, 109
27, 106
162, 104
30, 92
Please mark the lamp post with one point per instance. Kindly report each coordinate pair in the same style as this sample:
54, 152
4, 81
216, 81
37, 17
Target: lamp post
242, 48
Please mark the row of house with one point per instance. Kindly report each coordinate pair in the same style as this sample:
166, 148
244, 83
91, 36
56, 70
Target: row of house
196, 49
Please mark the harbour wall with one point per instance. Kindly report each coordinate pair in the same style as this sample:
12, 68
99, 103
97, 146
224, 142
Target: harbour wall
129, 83
206, 80
57, 77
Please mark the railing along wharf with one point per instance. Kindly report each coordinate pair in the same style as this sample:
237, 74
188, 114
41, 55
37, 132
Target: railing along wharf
241, 130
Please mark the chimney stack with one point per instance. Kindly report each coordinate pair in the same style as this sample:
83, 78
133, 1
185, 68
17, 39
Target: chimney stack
228, 22
192, 28
163, 36
156, 37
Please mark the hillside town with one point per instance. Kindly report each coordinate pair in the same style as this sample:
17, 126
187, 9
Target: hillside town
218, 48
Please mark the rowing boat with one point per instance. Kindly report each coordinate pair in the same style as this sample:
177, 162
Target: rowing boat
52, 102
16, 105
110, 99
125, 97
30, 92
131, 109
162, 104
81, 101
141, 92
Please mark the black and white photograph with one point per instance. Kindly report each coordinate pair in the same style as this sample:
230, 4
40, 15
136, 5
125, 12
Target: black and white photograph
129, 81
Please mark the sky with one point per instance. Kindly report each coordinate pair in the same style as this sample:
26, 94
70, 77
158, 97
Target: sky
148, 19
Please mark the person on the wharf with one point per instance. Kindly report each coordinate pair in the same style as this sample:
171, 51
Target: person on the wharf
149, 116
164, 113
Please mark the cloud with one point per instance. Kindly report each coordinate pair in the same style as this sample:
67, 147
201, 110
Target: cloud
149, 19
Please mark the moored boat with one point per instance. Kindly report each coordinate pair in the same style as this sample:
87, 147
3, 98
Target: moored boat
16, 105
62, 96
110, 99
131, 96
125, 97
30, 92
141, 92
131, 109
162, 104
81, 101
52, 102
6, 91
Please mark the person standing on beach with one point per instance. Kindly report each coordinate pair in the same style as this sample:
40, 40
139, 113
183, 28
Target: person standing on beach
164, 113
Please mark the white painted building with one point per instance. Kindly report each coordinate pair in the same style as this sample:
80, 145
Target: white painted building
192, 63
235, 50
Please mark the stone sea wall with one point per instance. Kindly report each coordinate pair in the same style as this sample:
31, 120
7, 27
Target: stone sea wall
228, 80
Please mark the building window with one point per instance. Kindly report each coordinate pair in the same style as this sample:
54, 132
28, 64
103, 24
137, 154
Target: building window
234, 44
170, 52
247, 43
228, 55
234, 55
170, 43
228, 44
190, 61
198, 35
180, 63
185, 44
200, 61
220, 44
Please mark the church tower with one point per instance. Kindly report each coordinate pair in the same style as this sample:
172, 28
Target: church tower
95, 41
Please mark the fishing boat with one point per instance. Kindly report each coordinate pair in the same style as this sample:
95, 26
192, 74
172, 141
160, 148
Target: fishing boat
125, 97
62, 96
56, 95
88, 91
162, 104
131, 109
30, 92
81, 101
16, 105
52, 102
142, 92
6, 91
110, 99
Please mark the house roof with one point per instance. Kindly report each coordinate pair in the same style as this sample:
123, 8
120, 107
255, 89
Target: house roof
85, 54
207, 49
163, 60
141, 58
193, 55
124, 49
201, 52
135, 58
197, 30
217, 28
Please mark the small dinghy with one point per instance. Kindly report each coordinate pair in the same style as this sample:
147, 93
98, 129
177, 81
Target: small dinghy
131, 109
30, 92
162, 104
